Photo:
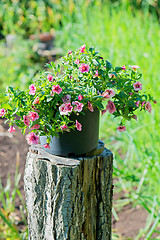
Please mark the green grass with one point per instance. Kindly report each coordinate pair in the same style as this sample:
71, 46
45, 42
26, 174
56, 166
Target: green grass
125, 37
9, 220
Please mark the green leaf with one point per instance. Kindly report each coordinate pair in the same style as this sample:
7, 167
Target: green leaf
108, 66
117, 69
95, 62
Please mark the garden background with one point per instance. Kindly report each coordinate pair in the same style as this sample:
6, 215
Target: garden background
126, 32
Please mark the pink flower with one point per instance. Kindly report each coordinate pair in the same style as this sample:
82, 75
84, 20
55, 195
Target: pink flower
26, 120
49, 77
33, 116
130, 93
137, 86
11, 129
32, 89
142, 103
63, 127
148, 107
46, 145
36, 126
154, 102
96, 74
77, 61
84, 68
78, 107
108, 93
57, 89
134, 117
82, 48
121, 128
2, 112
32, 138
137, 103
69, 52
90, 107
123, 67
78, 126
134, 67
66, 98
80, 97
68, 107
65, 109
110, 107
36, 101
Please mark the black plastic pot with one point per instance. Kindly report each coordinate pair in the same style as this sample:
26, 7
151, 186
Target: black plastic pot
76, 143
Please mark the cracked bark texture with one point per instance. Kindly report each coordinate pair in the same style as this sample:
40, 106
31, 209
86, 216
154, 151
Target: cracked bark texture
68, 198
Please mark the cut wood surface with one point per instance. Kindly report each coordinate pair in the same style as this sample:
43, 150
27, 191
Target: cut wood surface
68, 198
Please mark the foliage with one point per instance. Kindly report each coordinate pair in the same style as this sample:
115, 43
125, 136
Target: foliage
47, 15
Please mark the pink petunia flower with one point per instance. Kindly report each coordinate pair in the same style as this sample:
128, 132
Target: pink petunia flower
84, 67
78, 107
123, 67
137, 86
32, 89
121, 128
80, 97
46, 145
63, 127
107, 94
50, 77
32, 138
137, 103
134, 67
57, 89
2, 112
33, 116
78, 126
11, 129
36, 126
65, 109
142, 103
90, 107
26, 120
36, 101
96, 74
82, 48
110, 107
66, 98
148, 107
77, 61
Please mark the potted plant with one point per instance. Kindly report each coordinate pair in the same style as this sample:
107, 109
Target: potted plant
62, 108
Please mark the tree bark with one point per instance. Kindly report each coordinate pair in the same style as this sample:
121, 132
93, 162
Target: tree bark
68, 198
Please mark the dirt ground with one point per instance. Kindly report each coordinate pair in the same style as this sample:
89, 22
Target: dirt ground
13, 148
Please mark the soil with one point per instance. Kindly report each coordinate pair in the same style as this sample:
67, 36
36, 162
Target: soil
13, 150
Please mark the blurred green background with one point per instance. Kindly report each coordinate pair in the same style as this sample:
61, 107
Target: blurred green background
126, 32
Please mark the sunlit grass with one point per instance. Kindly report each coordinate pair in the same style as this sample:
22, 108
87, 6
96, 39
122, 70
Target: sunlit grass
10, 221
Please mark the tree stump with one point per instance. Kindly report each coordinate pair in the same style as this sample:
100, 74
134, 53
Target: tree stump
69, 198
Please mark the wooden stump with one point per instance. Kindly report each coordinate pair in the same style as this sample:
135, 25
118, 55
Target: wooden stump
68, 198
